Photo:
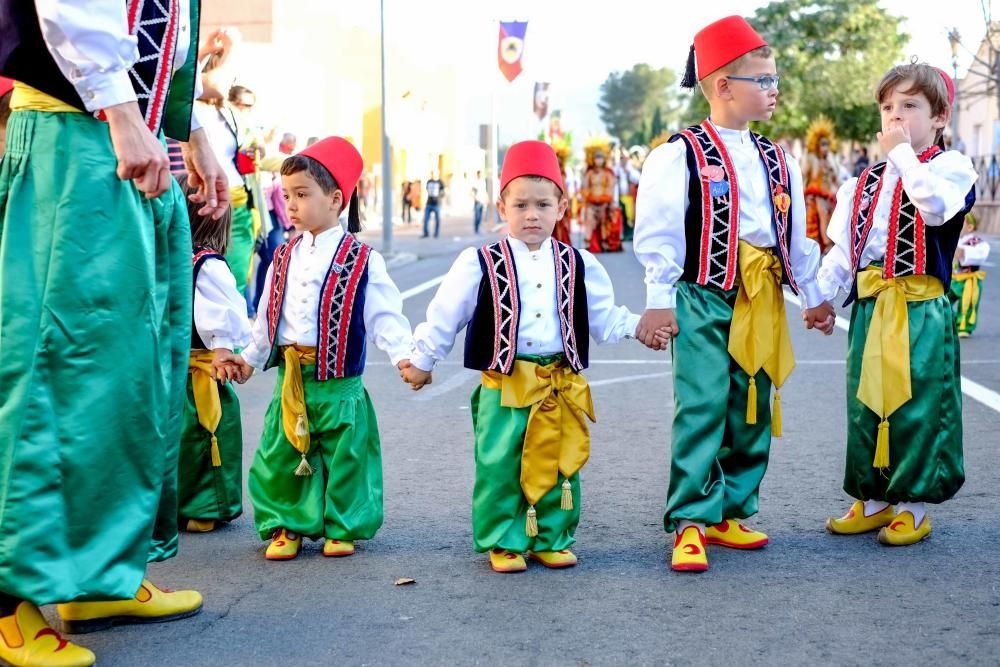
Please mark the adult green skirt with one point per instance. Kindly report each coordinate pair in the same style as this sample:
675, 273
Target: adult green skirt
240, 251
342, 499
717, 460
207, 491
95, 326
499, 508
925, 434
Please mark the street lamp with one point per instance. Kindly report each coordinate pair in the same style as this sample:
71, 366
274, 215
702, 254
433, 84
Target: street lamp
955, 40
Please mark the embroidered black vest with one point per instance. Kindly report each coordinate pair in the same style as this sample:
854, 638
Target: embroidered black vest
341, 334
912, 248
199, 255
491, 336
164, 97
712, 221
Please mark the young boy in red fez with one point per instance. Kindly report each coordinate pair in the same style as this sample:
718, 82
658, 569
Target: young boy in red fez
895, 230
529, 304
720, 228
318, 471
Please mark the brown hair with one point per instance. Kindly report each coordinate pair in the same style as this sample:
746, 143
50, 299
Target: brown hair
327, 183
927, 81
538, 179
205, 231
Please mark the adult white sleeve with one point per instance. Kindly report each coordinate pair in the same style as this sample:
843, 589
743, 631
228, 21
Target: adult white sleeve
90, 42
385, 323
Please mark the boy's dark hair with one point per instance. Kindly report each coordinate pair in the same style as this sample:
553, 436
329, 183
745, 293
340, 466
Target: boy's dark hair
5, 107
559, 193
215, 234
327, 183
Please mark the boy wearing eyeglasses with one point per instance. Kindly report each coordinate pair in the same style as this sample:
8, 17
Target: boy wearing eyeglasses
720, 228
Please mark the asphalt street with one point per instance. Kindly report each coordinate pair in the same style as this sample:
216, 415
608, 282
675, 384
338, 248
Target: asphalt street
809, 597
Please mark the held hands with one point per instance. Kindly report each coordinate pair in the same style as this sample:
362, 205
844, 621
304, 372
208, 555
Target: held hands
230, 367
412, 375
894, 136
821, 317
657, 327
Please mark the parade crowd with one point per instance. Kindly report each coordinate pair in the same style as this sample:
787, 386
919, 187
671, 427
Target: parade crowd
119, 422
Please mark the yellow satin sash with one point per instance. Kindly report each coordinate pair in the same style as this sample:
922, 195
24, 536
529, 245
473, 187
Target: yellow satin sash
26, 98
206, 397
885, 363
294, 419
238, 196
758, 335
557, 438
970, 294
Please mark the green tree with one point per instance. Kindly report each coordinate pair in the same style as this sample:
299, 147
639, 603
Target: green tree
630, 99
830, 56
656, 125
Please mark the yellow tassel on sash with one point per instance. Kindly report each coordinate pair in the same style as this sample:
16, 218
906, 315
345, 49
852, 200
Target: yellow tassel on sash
970, 295
206, 397
566, 502
758, 336
885, 364
26, 98
294, 419
776, 415
557, 439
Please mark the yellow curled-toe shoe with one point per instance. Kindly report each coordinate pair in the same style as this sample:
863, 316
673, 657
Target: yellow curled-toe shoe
26, 640
285, 545
855, 522
338, 548
902, 531
689, 551
733, 534
504, 561
150, 605
554, 559
200, 525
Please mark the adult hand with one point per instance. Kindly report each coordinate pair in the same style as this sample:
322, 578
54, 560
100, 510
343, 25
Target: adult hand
140, 156
654, 320
205, 174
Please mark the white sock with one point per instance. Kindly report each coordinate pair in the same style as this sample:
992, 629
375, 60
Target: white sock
685, 524
874, 506
917, 509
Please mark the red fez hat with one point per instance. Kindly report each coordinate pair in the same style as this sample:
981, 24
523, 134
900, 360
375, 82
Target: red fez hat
531, 158
341, 159
722, 42
5, 85
949, 84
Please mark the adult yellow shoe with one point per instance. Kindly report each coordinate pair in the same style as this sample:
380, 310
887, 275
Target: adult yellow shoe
337, 548
200, 525
855, 522
150, 605
733, 534
285, 545
901, 532
689, 551
554, 559
27, 640
504, 561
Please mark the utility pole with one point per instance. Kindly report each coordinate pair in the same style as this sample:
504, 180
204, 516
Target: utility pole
386, 154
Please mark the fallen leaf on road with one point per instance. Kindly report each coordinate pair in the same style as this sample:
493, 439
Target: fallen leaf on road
402, 581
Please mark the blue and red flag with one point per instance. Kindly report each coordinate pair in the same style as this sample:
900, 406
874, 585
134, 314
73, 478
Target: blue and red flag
511, 48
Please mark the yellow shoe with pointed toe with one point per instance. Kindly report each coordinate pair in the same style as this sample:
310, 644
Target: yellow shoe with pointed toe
504, 561
689, 552
150, 605
855, 522
733, 534
27, 640
200, 525
285, 545
337, 548
901, 532
554, 559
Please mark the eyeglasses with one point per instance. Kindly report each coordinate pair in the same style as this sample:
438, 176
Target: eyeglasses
765, 81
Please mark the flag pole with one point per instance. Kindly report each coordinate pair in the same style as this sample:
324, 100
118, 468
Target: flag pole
492, 144
386, 154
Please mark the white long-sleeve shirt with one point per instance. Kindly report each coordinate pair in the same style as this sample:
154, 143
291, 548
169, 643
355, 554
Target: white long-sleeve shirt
90, 42
220, 313
662, 203
385, 323
937, 188
538, 330
977, 249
